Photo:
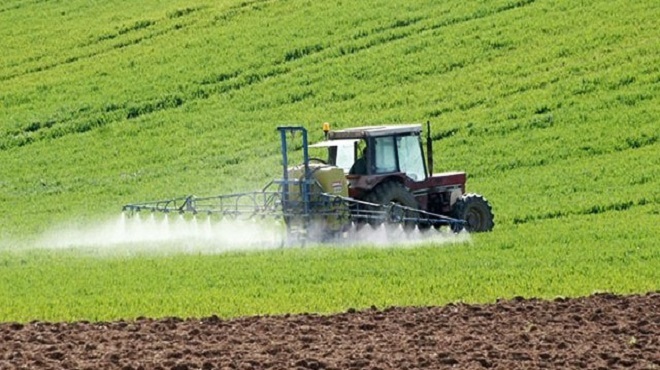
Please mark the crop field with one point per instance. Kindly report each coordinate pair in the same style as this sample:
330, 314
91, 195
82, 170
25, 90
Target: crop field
102, 284
550, 106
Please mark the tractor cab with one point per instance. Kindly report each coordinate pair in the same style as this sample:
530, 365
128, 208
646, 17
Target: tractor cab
379, 150
372, 155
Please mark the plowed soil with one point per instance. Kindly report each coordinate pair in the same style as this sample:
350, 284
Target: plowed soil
603, 331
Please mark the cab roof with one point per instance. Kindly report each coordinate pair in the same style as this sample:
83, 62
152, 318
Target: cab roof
374, 131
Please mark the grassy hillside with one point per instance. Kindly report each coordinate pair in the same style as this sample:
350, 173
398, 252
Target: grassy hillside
550, 106
105, 104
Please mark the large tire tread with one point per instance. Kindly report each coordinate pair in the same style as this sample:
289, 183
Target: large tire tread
392, 192
476, 211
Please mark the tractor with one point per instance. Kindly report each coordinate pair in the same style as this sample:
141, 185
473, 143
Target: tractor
385, 164
371, 176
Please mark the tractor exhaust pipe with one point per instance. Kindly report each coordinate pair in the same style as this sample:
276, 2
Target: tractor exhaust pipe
429, 148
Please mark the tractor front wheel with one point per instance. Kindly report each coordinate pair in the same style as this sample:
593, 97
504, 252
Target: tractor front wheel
476, 211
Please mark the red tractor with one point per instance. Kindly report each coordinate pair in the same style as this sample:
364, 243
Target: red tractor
385, 164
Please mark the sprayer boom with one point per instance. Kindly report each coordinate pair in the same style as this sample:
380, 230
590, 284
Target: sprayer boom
238, 206
335, 214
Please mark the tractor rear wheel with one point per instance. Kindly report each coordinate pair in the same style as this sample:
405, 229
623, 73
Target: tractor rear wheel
392, 192
476, 211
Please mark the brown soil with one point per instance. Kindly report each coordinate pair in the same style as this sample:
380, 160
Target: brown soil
603, 331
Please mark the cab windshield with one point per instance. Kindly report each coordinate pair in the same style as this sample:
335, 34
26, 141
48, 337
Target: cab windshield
399, 154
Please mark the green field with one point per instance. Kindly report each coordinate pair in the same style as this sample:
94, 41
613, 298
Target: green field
550, 106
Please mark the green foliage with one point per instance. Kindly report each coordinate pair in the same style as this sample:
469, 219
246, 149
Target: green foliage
551, 107
66, 285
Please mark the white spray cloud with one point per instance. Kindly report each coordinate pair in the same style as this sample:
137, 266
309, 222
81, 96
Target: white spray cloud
386, 236
164, 234
176, 234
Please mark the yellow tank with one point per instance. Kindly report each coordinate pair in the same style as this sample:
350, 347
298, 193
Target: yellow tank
331, 179
328, 215
328, 179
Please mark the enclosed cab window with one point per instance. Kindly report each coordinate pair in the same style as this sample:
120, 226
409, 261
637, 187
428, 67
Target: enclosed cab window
399, 154
411, 160
385, 155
